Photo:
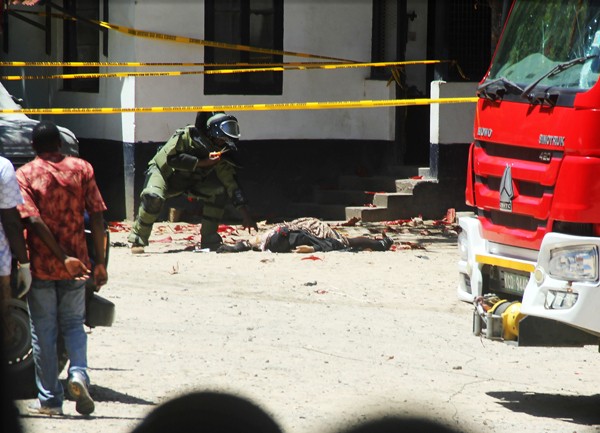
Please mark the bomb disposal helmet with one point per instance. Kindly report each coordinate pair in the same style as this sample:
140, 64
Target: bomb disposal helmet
225, 126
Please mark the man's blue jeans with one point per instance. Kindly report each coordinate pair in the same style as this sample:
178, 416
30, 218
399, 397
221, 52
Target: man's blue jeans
57, 307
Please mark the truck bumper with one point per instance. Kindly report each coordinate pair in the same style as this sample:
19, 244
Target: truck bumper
475, 252
573, 303
470, 243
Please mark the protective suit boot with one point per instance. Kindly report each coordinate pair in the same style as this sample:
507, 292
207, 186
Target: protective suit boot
137, 245
238, 247
212, 241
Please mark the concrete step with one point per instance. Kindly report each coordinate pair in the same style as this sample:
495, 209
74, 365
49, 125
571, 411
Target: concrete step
407, 185
392, 199
429, 199
424, 172
369, 214
381, 198
408, 172
386, 207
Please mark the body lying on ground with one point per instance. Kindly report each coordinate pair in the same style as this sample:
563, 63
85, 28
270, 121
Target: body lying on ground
307, 235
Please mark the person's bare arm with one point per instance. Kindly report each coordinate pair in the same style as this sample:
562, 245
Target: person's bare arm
97, 227
13, 227
304, 249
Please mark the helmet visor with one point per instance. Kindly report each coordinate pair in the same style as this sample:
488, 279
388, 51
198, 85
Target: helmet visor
230, 128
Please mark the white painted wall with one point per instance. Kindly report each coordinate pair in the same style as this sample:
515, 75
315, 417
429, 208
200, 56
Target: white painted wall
338, 28
48, 93
452, 123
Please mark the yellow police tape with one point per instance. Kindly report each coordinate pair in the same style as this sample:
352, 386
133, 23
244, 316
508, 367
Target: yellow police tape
246, 107
325, 65
237, 70
236, 47
183, 39
212, 44
345, 63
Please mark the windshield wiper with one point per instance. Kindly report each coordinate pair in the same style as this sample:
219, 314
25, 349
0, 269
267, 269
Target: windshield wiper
555, 71
501, 85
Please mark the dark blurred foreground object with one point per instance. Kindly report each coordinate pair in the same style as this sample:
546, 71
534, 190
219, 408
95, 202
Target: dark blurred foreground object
215, 412
210, 412
395, 424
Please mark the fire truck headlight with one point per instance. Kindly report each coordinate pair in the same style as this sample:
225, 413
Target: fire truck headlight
575, 263
463, 246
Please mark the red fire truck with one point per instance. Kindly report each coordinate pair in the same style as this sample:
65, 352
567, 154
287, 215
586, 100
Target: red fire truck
529, 256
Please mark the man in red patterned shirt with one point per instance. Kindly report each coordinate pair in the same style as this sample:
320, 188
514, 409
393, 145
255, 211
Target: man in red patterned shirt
57, 191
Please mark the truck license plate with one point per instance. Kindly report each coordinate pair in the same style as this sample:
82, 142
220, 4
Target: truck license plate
515, 283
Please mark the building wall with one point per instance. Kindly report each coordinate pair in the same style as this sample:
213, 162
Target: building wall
329, 27
48, 93
121, 144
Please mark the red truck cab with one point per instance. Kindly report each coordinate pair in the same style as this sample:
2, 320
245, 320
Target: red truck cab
529, 254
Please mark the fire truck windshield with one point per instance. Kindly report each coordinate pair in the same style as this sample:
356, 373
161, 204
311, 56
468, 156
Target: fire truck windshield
544, 35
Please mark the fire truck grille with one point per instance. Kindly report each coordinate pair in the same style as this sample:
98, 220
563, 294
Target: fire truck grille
513, 189
513, 221
529, 189
518, 153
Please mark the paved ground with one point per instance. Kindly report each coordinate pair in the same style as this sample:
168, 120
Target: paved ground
320, 342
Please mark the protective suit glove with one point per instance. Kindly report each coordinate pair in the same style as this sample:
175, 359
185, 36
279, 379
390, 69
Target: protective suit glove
23, 279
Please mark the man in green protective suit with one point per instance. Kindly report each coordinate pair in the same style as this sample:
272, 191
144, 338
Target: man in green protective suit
195, 161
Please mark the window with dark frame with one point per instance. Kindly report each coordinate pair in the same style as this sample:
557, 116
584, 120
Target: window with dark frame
468, 38
378, 40
255, 23
383, 41
81, 44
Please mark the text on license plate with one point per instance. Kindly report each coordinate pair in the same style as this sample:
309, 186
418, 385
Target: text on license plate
514, 283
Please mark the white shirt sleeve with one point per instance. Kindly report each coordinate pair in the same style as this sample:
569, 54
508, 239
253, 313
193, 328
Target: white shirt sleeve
10, 194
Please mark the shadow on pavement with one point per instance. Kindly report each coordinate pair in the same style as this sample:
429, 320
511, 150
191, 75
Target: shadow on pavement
579, 409
102, 394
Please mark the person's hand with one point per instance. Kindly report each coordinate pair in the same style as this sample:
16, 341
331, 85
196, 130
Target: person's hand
76, 268
304, 249
23, 279
100, 276
216, 155
208, 162
249, 223
247, 220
